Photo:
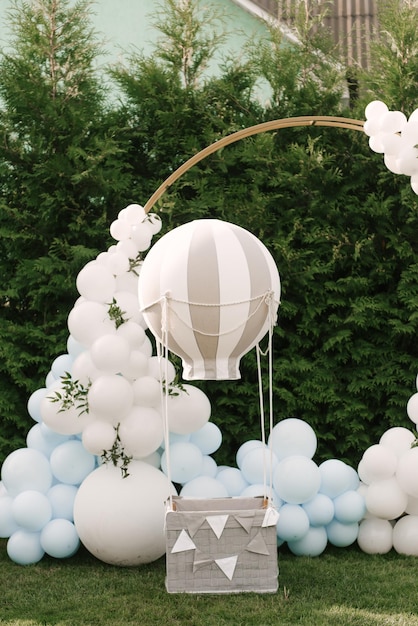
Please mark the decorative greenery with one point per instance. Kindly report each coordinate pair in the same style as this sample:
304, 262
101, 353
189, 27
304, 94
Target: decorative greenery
74, 394
116, 314
116, 455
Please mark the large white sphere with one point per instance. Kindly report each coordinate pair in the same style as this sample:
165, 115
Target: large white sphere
121, 520
291, 437
375, 536
405, 535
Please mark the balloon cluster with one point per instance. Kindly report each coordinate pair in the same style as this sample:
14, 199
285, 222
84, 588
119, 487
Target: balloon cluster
316, 504
395, 136
388, 471
101, 403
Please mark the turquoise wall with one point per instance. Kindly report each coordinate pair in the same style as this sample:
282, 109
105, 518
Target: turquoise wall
125, 24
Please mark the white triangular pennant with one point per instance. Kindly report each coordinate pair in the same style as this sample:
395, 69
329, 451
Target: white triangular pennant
270, 518
217, 523
183, 543
193, 524
227, 565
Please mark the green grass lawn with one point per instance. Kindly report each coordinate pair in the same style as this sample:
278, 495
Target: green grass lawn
342, 587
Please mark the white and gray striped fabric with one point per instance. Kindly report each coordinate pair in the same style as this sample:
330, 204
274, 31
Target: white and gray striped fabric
210, 291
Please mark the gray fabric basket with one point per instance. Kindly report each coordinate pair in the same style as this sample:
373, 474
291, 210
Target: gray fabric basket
231, 553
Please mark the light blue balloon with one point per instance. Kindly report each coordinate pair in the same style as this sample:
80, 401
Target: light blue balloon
62, 365
59, 539
256, 465
296, 479
293, 523
39, 439
24, 547
336, 477
349, 507
204, 487
210, 467
320, 510
246, 447
186, 462
8, 524
208, 438
312, 544
34, 403
31, 510
24, 469
62, 498
71, 463
342, 535
233, 480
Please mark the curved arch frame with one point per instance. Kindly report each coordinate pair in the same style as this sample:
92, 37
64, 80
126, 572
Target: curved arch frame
289, 122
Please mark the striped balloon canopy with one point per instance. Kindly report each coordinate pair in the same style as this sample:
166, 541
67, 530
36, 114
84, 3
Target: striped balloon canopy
209, 291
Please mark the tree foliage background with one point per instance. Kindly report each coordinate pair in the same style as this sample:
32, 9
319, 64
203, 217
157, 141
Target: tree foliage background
342, 228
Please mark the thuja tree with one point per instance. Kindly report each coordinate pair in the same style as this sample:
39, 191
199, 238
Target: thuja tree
342, 231
59, 180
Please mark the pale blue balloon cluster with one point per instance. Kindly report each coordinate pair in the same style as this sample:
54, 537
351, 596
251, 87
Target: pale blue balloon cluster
317, 504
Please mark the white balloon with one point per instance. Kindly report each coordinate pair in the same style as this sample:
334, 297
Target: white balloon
391, 162
120, 229
88, 321
98, 436
147, 391
378, 462
188, 410
141, 431
386, 499
136, 366
128, 304
121, 520
375, 110
65, 421
405, 535
161, 369
84, 370
154, 222
412, 408
62, 365
141, 235
133, 333
96, 282
407, 472
375, 536
111, 397
393, 122
110, 353
132, 213
117, 262
398, 439
391, 143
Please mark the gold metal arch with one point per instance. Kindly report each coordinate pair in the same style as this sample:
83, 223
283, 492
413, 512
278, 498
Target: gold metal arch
289, 122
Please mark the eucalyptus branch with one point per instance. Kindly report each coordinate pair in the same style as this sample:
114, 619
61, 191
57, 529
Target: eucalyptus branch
116, 455
73, 394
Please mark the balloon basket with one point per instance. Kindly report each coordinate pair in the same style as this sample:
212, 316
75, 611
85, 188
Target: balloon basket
221, 546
